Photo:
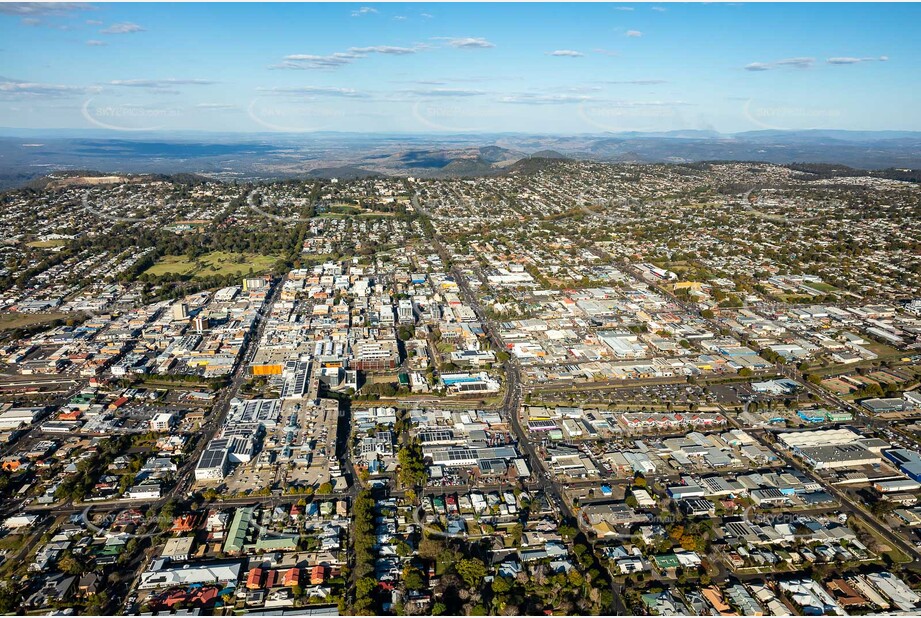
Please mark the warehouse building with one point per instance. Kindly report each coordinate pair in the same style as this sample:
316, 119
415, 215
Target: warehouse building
838, 456
213, 463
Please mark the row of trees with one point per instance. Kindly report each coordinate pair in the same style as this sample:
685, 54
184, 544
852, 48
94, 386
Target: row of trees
363, 539
412, 466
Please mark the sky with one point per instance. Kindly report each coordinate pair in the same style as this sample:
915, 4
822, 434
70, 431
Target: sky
537, 68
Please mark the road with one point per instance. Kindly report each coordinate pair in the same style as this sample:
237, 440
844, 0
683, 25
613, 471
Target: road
185, 475
848, 504
511, 404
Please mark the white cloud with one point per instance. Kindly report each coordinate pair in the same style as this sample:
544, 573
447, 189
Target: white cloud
383, 49
566, 53
314, 91
799, 63
796, 63
659, 9
623, 8
43, 8
312, 61
634, 34
126, 27
530, 98
339, 59
467, 42
216, 106
14, 88
95, 43
445, 92
850, 60
365, 10
162, 85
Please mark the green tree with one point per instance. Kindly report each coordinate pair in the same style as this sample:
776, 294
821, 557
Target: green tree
501, 585
472, 571
412, 578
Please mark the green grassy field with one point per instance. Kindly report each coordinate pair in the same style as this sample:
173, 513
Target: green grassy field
823, 287
210, 264
21, 320
47, 244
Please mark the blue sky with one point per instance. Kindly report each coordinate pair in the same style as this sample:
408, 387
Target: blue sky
546, 68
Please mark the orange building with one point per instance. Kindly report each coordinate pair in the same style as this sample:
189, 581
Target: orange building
183, 523
318, 574
292, 577
254, 579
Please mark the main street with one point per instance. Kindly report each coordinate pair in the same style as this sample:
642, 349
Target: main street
511, 404
185, 475
221, 406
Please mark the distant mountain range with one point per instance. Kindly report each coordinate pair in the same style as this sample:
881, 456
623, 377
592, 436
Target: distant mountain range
28, 154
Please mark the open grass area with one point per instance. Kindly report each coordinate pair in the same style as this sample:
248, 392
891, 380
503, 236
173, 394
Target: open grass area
316, 258
823, 287
349, 209
10, 321
47, 244
210, 264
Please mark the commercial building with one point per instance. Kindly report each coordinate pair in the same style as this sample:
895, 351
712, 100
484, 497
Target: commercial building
163, 421
838, 456
178, 549
908, 462
161, 576
375, 354
213, 463
882, 406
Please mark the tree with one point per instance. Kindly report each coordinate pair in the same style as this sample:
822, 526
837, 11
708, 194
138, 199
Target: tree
70, 564
412, 468
567, 532
501, 585
325, 488
403, 548
516, 532
575, 578
412, 578
689, 542
472, 571
9, 599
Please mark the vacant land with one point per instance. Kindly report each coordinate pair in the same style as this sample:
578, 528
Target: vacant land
10, 321
210, 264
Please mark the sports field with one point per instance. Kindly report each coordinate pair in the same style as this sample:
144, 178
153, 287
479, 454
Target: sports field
210, 264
